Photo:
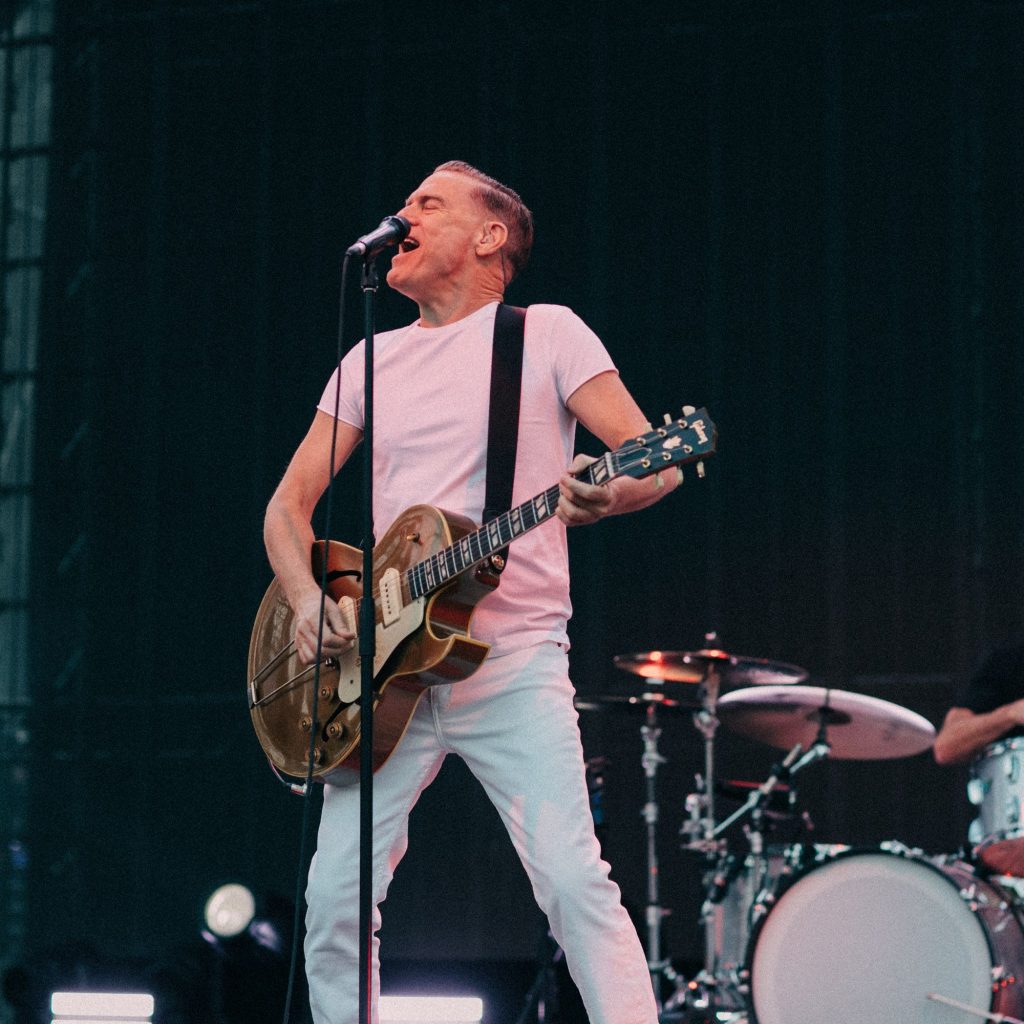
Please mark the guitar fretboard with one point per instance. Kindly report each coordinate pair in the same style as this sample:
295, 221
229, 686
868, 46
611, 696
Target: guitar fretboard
498, 533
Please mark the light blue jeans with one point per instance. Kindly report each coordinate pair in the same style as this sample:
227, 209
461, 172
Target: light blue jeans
514, 724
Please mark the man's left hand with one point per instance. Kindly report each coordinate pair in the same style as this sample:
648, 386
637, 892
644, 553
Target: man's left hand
580, 503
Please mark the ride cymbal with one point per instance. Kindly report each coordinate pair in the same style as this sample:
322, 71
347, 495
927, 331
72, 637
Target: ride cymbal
856, 726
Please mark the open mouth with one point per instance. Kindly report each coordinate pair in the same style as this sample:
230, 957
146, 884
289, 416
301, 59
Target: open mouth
408, 245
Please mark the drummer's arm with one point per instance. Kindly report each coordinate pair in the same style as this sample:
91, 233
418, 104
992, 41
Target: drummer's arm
964, 733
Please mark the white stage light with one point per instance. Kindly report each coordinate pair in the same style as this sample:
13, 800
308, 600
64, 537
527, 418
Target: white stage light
431, 1010
101, 1007
230, 910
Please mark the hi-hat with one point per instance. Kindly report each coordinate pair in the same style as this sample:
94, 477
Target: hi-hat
595, 702
857, 727
695, 666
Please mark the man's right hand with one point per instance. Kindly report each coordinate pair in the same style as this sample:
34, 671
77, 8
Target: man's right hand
336, 639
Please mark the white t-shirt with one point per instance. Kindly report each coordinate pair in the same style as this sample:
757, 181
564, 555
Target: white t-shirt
431, 405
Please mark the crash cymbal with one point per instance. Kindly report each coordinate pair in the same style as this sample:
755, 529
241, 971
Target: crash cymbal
858, 727
693, 667
600, 701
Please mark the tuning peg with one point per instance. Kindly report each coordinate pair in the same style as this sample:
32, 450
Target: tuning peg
700, 469
689, 410
668, 419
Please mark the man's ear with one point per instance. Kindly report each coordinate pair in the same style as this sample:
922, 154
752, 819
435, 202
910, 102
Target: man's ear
493, 235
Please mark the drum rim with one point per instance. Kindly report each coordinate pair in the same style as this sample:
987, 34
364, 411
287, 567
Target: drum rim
1002, 746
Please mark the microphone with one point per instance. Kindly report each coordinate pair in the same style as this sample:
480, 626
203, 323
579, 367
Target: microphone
390, 232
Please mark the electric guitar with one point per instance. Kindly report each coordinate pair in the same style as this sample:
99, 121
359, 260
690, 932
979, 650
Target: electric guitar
430, 570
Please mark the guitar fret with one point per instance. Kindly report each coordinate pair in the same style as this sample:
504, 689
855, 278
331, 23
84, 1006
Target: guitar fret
516, 522
494, 535
466, 552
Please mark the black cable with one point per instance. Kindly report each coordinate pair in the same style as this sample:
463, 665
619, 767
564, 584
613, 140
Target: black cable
315, 681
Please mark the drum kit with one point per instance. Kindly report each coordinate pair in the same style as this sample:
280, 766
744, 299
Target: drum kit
805, 933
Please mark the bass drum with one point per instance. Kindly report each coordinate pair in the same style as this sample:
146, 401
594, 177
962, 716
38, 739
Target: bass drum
868, 935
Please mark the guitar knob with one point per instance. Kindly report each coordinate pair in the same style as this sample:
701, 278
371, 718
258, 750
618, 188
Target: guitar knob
305, 724
689, 410
334, 730
700, 469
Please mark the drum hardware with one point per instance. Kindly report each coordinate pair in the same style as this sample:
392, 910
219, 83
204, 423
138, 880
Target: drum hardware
709, 670
649, 702
649, 762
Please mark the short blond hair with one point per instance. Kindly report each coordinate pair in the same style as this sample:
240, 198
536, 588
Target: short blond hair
507, 206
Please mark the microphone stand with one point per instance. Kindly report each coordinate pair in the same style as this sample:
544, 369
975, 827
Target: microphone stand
367, 654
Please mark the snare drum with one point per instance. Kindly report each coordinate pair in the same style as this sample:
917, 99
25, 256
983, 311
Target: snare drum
996, 788
866, 936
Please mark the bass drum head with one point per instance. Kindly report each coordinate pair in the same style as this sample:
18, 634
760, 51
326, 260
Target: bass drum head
865, 938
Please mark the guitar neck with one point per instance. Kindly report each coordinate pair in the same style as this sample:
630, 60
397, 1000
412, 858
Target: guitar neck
432, 573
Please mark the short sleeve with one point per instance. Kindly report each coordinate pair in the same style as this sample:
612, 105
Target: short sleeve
350, 400
577, 353
998, 681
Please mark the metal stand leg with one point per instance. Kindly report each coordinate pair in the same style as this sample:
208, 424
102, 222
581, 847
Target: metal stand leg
655, 912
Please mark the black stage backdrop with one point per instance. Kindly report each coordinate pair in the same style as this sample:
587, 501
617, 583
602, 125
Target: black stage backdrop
807, 216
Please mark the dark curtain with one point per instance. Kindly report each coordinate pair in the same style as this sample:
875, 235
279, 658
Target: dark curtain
807, 216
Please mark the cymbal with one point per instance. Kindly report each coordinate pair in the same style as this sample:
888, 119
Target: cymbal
693, 667
740, 789
595, 702
858, 727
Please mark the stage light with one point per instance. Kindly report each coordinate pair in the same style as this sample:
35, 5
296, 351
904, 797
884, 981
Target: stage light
101, 1007
229, 910
431, 1010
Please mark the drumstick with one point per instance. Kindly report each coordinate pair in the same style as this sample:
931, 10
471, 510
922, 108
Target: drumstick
999, 1018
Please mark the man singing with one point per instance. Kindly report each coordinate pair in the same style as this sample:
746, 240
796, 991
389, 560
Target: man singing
513, 720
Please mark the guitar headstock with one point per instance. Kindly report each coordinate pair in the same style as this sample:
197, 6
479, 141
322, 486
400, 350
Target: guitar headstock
690, 438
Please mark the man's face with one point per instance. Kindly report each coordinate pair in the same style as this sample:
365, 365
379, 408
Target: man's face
446, 222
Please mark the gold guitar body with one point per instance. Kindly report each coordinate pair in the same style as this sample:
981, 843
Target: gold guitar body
428, 644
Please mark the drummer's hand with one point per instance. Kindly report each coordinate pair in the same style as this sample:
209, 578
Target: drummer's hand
336, 639
580, 503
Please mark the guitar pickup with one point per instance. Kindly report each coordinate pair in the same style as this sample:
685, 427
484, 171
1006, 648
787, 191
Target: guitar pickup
390, 596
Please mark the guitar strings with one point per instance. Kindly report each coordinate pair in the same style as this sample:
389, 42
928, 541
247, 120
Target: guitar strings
549, 496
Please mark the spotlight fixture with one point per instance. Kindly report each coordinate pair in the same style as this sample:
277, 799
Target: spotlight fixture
229, 910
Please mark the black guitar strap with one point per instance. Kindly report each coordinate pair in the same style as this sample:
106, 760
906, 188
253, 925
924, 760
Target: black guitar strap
503, 423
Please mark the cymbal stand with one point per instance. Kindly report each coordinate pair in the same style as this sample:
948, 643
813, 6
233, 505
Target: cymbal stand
706, 721
650, 761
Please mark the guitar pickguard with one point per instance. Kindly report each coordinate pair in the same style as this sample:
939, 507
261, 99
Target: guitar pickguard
388, 639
